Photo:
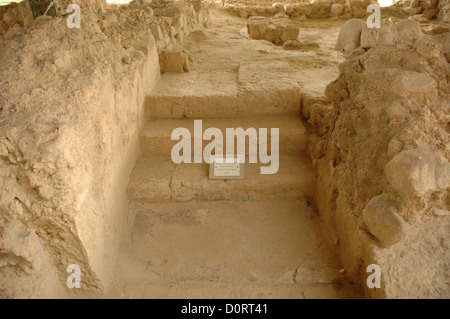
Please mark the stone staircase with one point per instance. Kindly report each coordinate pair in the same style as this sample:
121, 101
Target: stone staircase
199, 238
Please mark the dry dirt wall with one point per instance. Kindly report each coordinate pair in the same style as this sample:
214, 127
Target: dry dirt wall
70, 111
381, 151
19, 15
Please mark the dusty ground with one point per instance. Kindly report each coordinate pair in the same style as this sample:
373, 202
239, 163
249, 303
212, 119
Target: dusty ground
226, 47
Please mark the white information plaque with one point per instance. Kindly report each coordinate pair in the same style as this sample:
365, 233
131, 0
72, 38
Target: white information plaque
229, 169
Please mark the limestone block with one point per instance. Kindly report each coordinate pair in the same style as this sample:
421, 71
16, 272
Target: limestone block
371, 37
257, 30
417, 172
337, 9
429, 13
428, 49
382, 221
276, 30
408, 30
349, 36
273, 34
290, 33
171, 61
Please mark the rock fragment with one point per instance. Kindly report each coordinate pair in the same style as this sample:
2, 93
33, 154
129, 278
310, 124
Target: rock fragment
382, 221
416, 172
349, 36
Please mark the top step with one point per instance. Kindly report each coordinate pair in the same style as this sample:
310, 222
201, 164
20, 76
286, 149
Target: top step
219, 95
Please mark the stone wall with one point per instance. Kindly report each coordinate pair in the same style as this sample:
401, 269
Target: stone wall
306, 9
427, 9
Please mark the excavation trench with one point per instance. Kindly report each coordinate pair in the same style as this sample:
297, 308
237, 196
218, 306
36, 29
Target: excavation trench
253, 238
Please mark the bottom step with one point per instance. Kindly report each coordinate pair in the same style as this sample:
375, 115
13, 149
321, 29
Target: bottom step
158, 179
210, 290
270, 244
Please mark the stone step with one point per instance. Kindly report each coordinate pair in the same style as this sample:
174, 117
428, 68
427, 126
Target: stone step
227, 244
156, 135
212, 290
158, 179
219, 95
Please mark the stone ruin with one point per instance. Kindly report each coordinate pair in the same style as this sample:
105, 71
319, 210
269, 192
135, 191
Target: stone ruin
277, 30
